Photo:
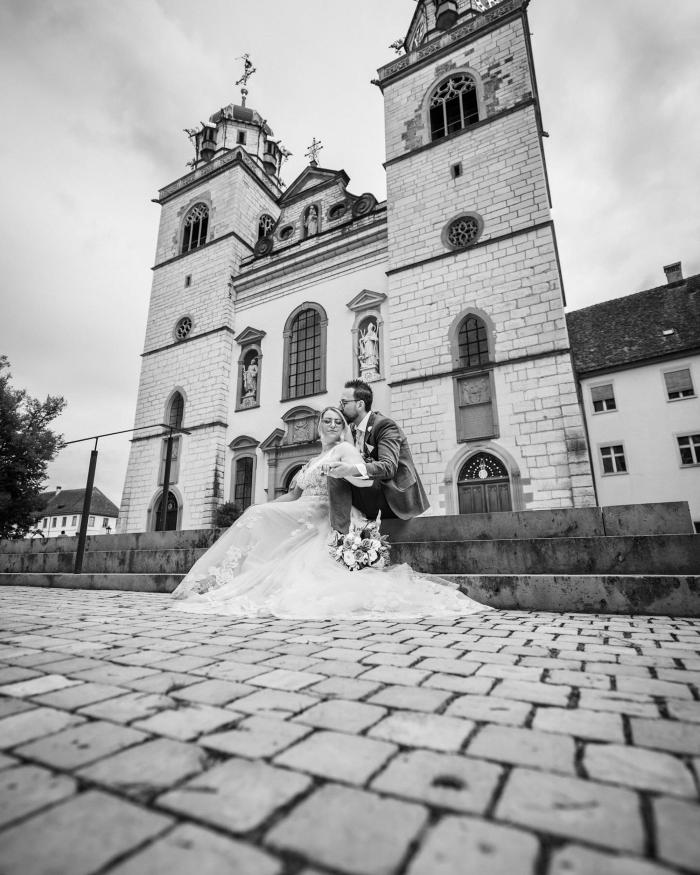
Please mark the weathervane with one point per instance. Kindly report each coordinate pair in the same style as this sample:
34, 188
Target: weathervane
312, 154
248, 70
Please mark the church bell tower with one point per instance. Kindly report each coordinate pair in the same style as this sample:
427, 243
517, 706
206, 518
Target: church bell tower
481, 371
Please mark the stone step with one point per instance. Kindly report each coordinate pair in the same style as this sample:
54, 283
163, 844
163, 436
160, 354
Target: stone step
655, 595
157, 583
649, 595
662, 554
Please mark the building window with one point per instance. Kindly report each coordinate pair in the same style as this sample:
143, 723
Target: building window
453, 106
74, 521
241, 138
287, 232
305, 352
188, 280
472, 343
174, 461
462, 231
689, 446
337, 211
613, 459
243, 486
176, 410
603, 398
64, 522
54, 521
183, 328
195, 229
91, 521
44, 523
105, 522
679, 384
266, 225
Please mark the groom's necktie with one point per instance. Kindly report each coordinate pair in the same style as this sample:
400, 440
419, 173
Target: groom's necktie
360, 439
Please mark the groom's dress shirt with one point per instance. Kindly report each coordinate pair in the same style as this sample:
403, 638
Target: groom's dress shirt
360, 444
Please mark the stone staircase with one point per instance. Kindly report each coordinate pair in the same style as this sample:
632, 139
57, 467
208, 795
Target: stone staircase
641, 559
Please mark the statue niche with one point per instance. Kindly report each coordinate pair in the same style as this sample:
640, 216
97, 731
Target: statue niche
368, 350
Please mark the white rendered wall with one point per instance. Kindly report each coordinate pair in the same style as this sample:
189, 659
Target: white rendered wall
647, 424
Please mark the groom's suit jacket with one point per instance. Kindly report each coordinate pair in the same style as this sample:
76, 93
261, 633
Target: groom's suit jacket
389, 463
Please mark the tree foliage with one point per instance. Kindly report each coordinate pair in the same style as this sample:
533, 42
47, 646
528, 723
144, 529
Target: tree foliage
27, 445
227, 514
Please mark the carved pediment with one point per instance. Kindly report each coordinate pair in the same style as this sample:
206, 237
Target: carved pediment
302, 425
366, 300
244, 442
273, 440
313, 178
249, 336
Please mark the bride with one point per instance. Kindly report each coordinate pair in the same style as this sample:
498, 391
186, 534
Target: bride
275, 560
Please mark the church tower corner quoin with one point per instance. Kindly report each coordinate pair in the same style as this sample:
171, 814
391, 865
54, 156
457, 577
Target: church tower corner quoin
481, 372
447, 297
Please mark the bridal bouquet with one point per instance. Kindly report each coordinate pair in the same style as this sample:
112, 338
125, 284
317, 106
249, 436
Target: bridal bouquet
362, 547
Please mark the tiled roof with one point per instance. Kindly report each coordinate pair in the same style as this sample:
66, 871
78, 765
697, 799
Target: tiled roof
70, 501
630, 330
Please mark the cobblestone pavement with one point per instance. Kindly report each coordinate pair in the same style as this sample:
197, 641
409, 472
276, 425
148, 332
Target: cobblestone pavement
138, 741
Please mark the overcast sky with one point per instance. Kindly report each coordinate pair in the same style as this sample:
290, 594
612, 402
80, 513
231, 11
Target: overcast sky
96, 94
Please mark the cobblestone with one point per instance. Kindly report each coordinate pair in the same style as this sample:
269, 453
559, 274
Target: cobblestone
513, 742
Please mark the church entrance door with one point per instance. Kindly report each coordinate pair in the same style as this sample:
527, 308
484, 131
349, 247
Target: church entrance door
171, 510
484, 486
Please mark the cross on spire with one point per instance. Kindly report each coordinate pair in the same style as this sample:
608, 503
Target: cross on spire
313, 152
248, 70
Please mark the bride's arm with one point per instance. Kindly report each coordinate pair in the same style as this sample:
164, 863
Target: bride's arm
293, 494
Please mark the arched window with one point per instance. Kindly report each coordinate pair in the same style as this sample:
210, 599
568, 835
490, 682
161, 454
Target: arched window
195, 228
176, 410
266, 225
305, 352
453, 105
472, 343
243, 484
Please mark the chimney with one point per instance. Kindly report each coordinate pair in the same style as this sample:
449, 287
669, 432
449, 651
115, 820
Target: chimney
674, 273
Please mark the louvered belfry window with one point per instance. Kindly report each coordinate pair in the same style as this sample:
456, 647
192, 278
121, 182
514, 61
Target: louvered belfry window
305, 355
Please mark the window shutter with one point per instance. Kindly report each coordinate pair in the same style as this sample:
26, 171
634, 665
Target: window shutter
602, 393
678, 381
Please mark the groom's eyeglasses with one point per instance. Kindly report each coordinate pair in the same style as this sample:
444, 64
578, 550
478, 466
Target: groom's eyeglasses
332, 422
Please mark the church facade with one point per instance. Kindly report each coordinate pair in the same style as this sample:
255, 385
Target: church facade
447, 297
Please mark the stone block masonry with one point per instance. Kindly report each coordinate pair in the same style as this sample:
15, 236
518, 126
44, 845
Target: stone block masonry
509, 742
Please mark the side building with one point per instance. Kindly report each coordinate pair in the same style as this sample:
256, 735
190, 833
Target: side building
63, 512
447, 297
637, 359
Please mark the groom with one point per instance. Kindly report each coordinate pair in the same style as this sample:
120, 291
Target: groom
396, 489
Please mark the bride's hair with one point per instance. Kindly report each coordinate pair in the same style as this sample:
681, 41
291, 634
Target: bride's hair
344, 432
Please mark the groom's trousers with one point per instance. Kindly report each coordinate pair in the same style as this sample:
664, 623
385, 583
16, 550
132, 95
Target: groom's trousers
368, 500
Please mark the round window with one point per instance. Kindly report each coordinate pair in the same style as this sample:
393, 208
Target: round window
183, 328
287, 232
337, 211
463, 231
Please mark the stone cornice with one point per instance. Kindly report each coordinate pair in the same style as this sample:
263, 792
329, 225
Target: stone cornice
204, 246
447, 42
187, 340
213, 168
295, 259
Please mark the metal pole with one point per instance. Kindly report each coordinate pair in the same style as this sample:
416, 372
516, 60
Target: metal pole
166, 484
80, 552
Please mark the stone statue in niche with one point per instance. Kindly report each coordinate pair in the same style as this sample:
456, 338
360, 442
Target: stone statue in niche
311, 222
368, 352
249, 395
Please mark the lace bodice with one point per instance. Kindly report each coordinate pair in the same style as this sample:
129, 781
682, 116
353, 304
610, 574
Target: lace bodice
311, 479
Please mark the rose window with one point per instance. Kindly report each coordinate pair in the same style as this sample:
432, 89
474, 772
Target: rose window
183, 328
463, 231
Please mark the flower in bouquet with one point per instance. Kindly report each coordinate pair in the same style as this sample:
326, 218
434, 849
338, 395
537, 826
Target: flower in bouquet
363, 547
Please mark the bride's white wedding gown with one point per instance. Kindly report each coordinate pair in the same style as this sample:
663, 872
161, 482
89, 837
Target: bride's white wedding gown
274, 561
